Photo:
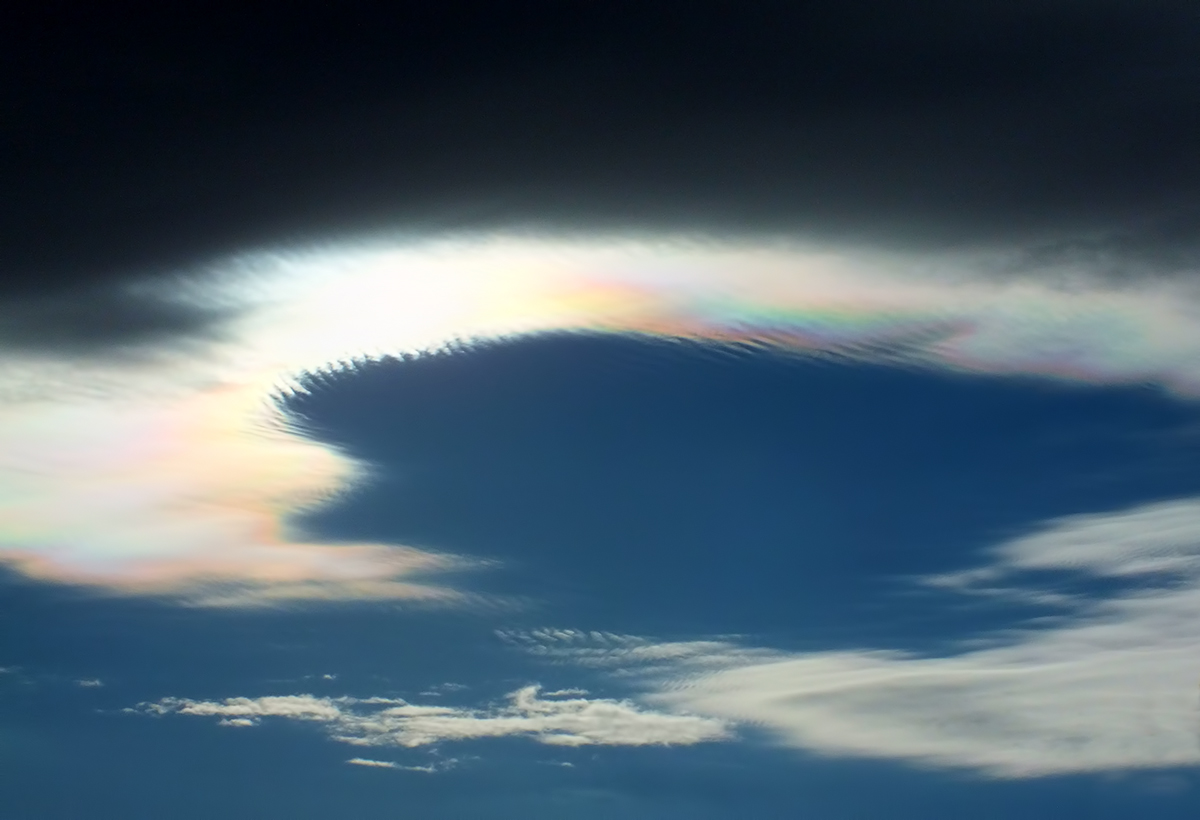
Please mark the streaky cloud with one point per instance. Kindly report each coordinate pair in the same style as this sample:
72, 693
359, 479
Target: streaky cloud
555, 720
1109, 685
432, 768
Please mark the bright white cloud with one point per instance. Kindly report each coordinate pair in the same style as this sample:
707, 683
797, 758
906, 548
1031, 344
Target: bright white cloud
556, 721
1113, 685
376, 764
431, 768
170, 471
1154, 539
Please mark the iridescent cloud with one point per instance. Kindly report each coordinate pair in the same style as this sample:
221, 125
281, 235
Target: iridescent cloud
175, 472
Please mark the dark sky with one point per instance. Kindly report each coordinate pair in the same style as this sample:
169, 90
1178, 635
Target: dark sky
139, 138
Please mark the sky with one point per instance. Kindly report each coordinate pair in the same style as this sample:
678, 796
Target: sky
610, 409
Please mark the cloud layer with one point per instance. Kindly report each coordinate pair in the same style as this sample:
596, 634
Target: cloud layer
554, 719
930, 123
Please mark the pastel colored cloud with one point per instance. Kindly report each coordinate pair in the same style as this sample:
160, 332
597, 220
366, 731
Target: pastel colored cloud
173, 469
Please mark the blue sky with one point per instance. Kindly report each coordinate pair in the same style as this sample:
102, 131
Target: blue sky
639, 409
640, 516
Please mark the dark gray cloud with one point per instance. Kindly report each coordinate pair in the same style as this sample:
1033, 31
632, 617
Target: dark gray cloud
104, 319
141, 139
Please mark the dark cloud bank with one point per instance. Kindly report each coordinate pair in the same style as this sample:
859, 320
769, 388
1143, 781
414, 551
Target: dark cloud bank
144, 138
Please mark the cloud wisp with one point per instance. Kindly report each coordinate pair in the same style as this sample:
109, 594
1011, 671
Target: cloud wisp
175, 470
432, 768
555, 720
368, 762
1111, 685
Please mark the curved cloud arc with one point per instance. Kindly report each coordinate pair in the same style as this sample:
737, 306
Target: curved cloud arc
173, 471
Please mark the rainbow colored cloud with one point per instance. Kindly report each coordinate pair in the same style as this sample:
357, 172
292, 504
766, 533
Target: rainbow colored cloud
175, 472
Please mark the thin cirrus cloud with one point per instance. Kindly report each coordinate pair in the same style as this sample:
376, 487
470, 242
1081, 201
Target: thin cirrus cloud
170, 467
552, 719
378, 764
432, 768
1109, 685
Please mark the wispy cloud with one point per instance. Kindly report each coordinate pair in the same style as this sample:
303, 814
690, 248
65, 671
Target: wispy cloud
1151, 540
431, 768
449, 688
632, 653
555, 721
172, 470
1112, 684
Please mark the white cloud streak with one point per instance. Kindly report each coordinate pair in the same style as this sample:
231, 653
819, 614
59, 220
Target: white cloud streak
555, 721
376, 764
432, 768
1155, 539
1112, 685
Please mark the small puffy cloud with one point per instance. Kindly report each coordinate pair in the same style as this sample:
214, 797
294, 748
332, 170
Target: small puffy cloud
89, 683
377, 721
